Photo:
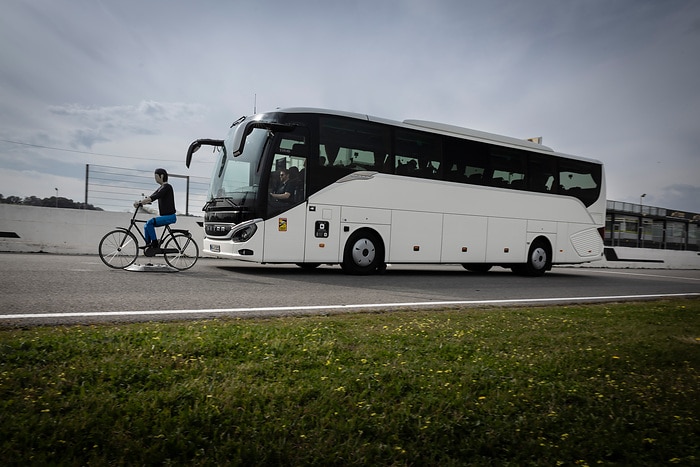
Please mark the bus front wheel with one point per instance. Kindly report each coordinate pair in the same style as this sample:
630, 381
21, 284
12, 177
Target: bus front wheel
539, 260
364, 253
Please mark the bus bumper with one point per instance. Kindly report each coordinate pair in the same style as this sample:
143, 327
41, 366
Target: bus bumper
245, 242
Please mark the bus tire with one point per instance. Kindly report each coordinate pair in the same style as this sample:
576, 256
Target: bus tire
363, 254
477, 267
539, 260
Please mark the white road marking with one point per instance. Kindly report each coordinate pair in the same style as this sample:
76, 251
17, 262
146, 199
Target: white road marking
649, 275
519, 301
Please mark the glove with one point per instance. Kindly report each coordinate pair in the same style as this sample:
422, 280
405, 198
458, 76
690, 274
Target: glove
137, 204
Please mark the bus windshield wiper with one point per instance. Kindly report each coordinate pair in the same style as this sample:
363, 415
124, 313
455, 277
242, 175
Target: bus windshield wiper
215, 201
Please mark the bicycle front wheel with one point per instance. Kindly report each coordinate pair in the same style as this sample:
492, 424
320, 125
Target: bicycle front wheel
119, 249
181, 251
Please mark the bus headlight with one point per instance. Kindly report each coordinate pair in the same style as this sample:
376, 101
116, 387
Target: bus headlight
244, 234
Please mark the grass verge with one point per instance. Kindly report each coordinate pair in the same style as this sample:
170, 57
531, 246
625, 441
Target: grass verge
566, 385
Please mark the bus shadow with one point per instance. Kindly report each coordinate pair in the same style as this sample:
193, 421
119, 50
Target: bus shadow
296, 272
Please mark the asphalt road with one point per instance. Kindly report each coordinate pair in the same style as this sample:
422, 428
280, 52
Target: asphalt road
56, 289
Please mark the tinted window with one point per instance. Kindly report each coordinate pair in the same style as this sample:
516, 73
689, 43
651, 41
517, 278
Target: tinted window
465, 161
417, 154
542, 173
347, 145
580, 179
507, 168
353, 145
290, 154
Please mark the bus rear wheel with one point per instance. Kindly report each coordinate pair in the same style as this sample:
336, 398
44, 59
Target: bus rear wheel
364, 253
539, 260
477, 267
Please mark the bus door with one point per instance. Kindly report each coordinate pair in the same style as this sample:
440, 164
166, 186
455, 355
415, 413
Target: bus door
285, 224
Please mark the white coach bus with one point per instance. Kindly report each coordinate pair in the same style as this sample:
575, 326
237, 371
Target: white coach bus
362, 192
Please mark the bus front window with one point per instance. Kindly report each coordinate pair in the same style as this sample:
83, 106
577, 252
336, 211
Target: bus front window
289, 159
237, 179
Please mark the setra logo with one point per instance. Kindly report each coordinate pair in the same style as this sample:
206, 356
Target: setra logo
217, 229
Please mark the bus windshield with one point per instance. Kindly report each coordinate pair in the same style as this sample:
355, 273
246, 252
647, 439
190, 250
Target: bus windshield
237, 179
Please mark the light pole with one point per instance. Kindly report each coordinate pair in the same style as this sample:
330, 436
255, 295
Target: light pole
56, 196
641, 218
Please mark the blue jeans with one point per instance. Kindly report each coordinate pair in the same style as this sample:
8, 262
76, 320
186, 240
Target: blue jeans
149, 229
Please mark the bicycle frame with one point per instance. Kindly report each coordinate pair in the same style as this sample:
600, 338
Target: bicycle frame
166, 232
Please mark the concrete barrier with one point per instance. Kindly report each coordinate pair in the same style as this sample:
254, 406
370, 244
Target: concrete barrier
647, 258
31, 229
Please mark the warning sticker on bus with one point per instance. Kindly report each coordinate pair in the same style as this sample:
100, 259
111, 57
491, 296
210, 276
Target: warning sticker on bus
283, 224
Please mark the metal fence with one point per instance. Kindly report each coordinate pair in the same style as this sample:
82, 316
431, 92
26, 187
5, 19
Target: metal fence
116, 188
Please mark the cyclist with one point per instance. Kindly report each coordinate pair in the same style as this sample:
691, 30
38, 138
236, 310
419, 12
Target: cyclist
166, 208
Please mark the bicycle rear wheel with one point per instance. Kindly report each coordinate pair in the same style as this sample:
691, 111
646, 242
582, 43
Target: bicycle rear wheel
119, 249
181, 251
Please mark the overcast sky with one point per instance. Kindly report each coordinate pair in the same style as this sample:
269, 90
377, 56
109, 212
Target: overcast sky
130, 83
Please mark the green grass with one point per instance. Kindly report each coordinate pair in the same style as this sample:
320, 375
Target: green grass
568, 385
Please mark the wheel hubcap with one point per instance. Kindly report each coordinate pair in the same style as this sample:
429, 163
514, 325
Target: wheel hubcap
539, 258
363, 252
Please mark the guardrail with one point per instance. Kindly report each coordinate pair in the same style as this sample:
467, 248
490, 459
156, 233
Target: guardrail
33, 229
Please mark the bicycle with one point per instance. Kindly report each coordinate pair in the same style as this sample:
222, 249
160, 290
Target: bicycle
119, 248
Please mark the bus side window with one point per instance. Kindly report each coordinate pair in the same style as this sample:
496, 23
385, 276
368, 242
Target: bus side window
352, 145
417, 154
465, 161
542, 173
580, 179
406, 166
507, 168
290, 155
456, 154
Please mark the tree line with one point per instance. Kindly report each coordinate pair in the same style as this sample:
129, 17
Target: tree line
52, 202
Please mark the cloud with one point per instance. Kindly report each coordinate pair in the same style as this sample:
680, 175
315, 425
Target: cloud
91, 124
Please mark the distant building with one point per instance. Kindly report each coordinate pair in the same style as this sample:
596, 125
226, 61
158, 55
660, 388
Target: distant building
641, 226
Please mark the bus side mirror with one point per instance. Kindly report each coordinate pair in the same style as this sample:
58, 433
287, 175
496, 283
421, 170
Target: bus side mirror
240, 136
194, 147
